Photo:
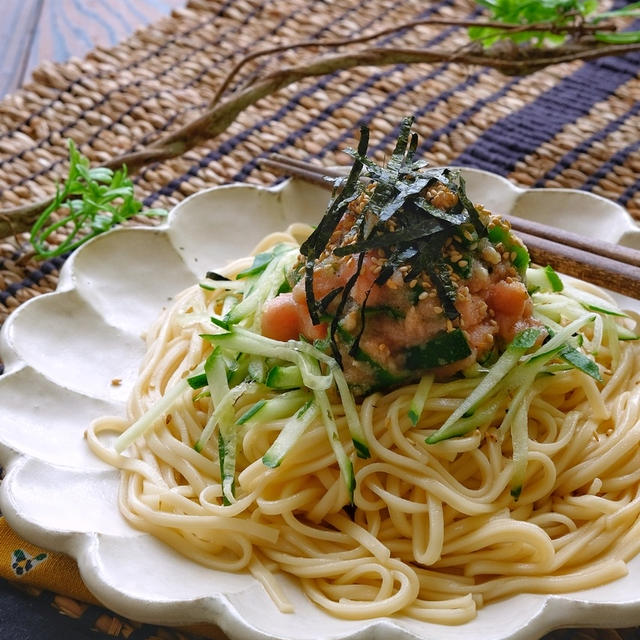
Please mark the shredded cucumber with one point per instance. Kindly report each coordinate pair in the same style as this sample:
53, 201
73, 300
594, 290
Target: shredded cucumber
267, 286
419, 398
284, 377
147, 420
543, 279
290, 434
520, 444
344, 463
516, 349
281, 406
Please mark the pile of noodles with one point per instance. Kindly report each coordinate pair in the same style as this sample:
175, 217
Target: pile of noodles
435, 532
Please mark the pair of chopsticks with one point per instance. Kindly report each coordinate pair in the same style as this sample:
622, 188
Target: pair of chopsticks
605, 264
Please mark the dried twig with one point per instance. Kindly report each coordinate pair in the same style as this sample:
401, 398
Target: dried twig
222, 111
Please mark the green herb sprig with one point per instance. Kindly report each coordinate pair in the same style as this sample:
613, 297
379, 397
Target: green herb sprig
96, 200
558, 16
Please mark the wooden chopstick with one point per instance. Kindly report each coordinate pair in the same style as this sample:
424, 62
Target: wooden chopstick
605, 264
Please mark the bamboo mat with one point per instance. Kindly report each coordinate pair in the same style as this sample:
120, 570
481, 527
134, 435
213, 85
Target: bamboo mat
575, 125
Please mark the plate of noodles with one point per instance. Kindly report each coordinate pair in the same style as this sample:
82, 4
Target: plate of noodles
217, 434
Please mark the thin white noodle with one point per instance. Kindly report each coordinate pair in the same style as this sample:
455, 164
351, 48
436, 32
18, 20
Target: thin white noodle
436, 533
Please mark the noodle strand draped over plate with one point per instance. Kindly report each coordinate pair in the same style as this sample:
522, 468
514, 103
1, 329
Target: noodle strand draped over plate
435, 532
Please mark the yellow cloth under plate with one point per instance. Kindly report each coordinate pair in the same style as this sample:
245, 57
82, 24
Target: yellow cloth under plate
21, 561
24, 563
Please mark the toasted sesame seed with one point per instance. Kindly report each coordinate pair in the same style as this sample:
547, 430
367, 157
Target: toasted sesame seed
413, 283
462, 263
423, 295
437, 310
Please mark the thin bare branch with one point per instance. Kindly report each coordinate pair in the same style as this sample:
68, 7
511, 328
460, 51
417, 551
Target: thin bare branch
221, 113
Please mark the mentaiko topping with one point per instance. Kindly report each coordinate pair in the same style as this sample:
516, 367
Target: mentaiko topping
405, 275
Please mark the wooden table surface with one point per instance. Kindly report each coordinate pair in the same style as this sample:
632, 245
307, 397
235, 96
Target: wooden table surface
35, 30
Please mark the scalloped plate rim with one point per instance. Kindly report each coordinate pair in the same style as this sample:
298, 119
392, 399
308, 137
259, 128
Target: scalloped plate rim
85, 546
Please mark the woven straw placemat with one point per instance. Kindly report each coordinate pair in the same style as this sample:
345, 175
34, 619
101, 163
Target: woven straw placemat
574, 125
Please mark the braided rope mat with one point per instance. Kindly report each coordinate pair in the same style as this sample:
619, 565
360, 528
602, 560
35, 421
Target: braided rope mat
574, 125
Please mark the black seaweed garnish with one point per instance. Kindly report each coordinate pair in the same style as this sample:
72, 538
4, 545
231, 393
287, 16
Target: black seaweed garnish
314, 245
397, 220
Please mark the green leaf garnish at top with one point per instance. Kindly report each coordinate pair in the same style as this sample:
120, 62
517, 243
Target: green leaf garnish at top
554, 13
95, 200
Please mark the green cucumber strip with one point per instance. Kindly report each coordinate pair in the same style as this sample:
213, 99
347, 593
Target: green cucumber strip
626, 334
220, 416
216, 373
498, 235
484, 415
227, 304
219, 323
261, 261
266, 287
592, 302
525, 339
443, 349
581, 361
257, 369
198, 381
249, 413
147, 420
217, 381
239, 371
284, 377
516, 349
244, 341
520, 444
351, 412
543, 279
345, 465
560, 337
521, 378
281, 406
290, 434
310, 357
227, 446
553, 278
419, 398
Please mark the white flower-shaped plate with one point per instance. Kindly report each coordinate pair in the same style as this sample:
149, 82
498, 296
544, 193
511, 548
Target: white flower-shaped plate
62, 352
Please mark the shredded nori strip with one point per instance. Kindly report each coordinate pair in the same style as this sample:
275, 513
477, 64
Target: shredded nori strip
396, 220
212, 275
315, 244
